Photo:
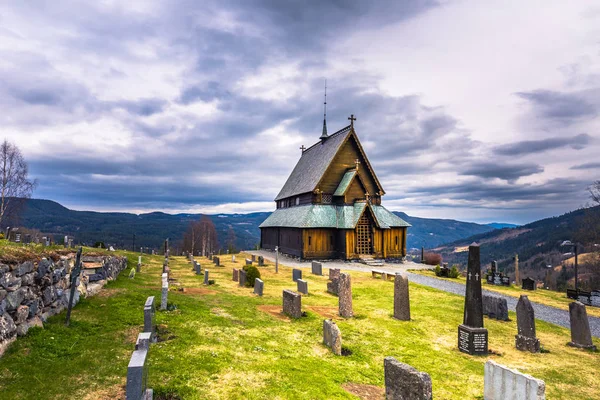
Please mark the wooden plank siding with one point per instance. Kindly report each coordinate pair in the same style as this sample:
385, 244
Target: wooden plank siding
355, 192
344, 160
319, 243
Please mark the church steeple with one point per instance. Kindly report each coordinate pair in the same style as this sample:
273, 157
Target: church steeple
324, 134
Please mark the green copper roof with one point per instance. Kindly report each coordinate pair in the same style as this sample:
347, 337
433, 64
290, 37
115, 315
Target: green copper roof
329, 216
345, 183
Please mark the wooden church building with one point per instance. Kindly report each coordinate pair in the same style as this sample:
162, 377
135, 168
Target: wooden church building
330, 206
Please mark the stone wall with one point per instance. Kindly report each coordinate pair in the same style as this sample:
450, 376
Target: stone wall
32, 292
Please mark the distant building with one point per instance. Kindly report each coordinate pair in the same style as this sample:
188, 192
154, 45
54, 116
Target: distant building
330, 206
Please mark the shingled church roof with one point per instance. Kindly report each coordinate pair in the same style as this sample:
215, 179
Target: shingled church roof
313, 164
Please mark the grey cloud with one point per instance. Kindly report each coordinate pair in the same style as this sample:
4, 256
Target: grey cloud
577, 142
559, 106
590, 165
143, 107
509, 172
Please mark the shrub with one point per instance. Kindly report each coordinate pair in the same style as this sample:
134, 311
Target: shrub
251, 274
437, 270
433, 259
453, 272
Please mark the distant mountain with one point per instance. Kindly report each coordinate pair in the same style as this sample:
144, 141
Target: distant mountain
152, 228
431, 232
537, 243
501, 225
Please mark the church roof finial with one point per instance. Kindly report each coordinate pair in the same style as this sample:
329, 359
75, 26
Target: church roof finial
324, 134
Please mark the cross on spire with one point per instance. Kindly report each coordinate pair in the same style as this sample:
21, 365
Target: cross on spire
352, 119
357, 162
302, 148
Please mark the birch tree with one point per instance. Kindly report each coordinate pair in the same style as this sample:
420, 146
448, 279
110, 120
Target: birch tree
16, 184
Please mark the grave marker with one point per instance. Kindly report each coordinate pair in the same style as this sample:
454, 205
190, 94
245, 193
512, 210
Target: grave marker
401, 298
143, 341
525, 339
165, 291
205, 276
503, 383
581, 335
236, 275
261, 261
332, 336
404, 382
316, 268
248, 261
258, 286
149, 310
528, 284
292, 304
137, 377
242, 278
302, 286
472, 336
495, 307
296, 274
345, 296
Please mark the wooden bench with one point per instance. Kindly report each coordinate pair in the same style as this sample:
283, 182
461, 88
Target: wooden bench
384, 275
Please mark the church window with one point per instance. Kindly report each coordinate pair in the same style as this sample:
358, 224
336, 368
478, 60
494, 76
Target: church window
327, 198
309, 240
396, 241
298, 200
331, 241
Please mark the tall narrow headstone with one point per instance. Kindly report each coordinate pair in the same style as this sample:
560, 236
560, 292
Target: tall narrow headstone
261, 261
334, 273
422, 255
332, 336
233, 258
292, 304
345, 295
253, 258
276, 259
296, 274
472, 336
258, 286
165, 291
242, 278
525, 339
198, 267
236, 275
517, 276
494, 267
205, 276
581, 336
401, 298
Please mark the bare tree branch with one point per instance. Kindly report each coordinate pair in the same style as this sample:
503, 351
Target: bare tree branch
594, 190
15, 184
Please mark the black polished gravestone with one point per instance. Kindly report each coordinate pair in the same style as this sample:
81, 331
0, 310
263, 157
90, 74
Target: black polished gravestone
528, 284
472, 336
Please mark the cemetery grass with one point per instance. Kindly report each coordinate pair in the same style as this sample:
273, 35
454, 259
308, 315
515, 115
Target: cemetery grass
217, 343
542, 296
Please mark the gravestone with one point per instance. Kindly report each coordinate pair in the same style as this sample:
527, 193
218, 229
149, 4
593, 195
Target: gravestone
138, 268
334, 273
316, 268
292, 304
261, 261
525, 339
517, 276
137, 377
333, 286
528, 284
503, 383
217, 261
205, 276
495, 307
401, 298
332, 336
149, 310
236, 275
472, 336
232, 258
143, 341
165, 291
242, 278
248, 261
494, 267
345, 295
276, 259
258, 286
198, 267
302, 286
581, 335
253, 258
296, 274
403, 382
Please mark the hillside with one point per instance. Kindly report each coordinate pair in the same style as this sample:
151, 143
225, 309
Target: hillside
151, 228
431, 232
537, 243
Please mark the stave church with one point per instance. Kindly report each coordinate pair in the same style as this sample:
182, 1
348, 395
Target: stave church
330, 206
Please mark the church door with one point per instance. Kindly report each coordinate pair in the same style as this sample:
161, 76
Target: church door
364, 235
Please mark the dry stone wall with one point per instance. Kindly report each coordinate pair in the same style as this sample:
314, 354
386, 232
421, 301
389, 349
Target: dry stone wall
32, 292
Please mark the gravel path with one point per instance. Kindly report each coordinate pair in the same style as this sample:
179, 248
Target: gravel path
545, 313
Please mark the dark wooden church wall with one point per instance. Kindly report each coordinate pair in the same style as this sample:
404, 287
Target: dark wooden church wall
289, 240
343, 161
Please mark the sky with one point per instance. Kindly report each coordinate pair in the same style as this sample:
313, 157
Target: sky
472, 110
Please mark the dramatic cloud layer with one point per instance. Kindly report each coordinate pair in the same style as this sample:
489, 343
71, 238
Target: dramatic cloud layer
202, 106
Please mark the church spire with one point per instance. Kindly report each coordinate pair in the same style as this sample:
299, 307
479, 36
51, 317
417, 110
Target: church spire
324, 134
